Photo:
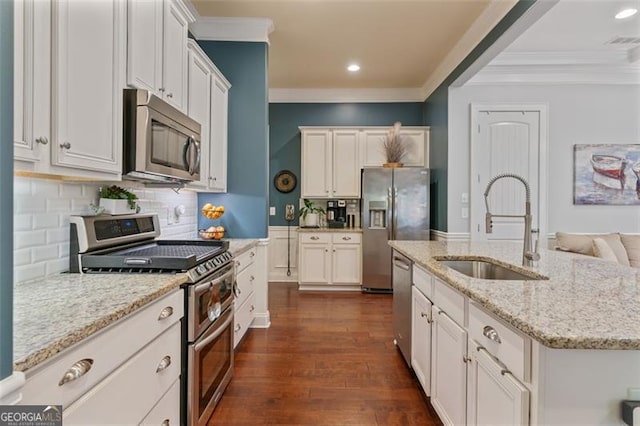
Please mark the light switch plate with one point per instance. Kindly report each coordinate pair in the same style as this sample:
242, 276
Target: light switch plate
272, 211
464, 198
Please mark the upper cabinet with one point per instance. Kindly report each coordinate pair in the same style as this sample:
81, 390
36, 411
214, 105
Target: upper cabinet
157, 49
207, 99
332, 157
415, 139
68, 89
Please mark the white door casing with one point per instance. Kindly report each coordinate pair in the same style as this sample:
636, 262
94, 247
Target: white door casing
508, 139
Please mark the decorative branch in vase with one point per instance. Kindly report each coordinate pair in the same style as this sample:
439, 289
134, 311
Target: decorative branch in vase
394, 147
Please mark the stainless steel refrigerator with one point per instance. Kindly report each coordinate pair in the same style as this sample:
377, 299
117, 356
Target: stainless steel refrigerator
395, 206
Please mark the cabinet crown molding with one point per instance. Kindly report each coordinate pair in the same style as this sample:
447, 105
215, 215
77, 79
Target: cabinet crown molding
232, 29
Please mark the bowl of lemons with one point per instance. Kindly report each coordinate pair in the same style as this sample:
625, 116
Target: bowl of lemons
212, 212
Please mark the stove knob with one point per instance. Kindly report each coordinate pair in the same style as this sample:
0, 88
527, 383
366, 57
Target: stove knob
201, 269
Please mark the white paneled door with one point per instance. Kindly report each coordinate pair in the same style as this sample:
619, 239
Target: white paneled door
507, 140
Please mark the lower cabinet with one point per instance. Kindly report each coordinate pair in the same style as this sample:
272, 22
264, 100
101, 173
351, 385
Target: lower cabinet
448, 369
330, 260
167, 410
494, 395
244, 294
421, 338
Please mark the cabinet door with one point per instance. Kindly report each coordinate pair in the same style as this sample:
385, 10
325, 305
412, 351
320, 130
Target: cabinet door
448, 369
494, 395
421, 338
32, 80
345, 264
144, 45
316, 163
199, 105
167, 410
314, 263
174, 62
346, 164
414, 141
372, 147
219, 124
88, 77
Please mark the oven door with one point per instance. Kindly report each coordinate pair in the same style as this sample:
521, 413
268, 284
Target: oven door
208, 300
171, 149
210, 369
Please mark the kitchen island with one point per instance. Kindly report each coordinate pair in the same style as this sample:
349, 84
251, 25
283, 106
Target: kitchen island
575, 328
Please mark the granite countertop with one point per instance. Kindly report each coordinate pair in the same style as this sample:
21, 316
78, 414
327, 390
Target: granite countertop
586, 303
324, 229
54, 313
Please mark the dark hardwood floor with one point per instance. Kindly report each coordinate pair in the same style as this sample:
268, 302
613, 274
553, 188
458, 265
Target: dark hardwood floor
328, 359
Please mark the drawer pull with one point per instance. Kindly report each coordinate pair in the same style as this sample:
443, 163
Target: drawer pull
466, 359
237, 328
165, 313
164, 363
253, 308
76, 371
252, 254
346, 238
251, 278
165, 422
505, 371
237, 263
491, 334
314, 238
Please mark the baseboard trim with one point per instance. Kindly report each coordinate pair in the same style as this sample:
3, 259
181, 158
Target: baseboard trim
333, 287
449, 236
262, 320
10, 388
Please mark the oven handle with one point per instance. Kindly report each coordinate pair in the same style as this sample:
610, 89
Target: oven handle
201, 288
219, 330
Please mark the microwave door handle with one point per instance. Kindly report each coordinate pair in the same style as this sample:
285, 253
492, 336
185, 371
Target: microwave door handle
185, 154
198, 155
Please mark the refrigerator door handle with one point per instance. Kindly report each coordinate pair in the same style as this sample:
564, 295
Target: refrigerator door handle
388, 222
395, 211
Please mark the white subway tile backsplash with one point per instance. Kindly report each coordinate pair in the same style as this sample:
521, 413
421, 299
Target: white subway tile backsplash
41, 220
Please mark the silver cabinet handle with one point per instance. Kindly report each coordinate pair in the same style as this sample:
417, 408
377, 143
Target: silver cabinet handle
165, 313
237, 328
43, 140
466, 359
65, 145
169, 95
401, 263
491, 334
314, 238
252, 254
253, 308
237, 263
164, 363
165, 422
424, 314
161, 89
346, 238
76, 371
251, 278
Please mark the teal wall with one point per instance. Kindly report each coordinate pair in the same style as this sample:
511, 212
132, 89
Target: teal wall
436, 115
6, 189
284, 135
245, 66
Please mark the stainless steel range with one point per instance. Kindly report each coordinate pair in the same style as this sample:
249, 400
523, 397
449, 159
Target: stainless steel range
128, 244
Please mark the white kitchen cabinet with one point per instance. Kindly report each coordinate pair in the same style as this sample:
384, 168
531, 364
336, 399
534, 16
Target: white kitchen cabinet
32, 82
494, 395
125, 368
207, 100
330, 166
244, 293
157, 49
88, 62
167, 410
421, 338
448, 368
330, 260
415, 139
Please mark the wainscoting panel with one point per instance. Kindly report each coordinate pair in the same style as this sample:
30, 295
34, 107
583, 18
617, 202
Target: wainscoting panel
278, 253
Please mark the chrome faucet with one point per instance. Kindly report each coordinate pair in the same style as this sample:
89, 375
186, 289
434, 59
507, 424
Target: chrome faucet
529, 252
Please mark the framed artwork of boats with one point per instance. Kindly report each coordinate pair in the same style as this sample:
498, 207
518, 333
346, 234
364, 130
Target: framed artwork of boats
606, 174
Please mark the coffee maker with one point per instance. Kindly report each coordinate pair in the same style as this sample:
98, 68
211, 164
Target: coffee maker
336, 213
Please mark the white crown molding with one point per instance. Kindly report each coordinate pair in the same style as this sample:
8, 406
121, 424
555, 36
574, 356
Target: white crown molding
232, 29
581, 57
344, 95
492, 14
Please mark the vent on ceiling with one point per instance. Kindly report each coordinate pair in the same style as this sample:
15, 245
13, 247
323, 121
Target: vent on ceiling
624, 40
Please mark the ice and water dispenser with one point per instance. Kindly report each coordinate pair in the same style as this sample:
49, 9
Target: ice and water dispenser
377, 214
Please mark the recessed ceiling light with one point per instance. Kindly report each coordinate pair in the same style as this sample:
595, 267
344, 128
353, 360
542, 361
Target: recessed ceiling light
353, 67
626, 13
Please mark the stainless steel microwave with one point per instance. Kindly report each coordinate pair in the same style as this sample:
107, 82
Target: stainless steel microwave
161, 144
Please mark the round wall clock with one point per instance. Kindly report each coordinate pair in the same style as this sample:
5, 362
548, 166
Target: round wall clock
285, 181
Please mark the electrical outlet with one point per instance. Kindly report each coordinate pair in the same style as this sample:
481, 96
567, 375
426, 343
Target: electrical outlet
464, 198
170, 217
465, 213
272, 211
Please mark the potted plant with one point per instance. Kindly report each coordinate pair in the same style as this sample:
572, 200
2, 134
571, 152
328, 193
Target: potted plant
394, 147
310, 214
117, 200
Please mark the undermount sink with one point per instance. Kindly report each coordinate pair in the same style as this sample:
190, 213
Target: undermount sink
486, 270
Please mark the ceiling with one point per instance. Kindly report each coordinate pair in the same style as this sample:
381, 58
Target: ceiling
398, 44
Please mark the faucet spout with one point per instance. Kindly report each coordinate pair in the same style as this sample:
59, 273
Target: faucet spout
529, 253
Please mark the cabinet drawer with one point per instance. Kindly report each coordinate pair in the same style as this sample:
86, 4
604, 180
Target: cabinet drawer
244, 282
512, 349
129, 393
346, 238
242, 319
449, 300
108, 349
314, 237
167, 410
423, 281
245, 259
